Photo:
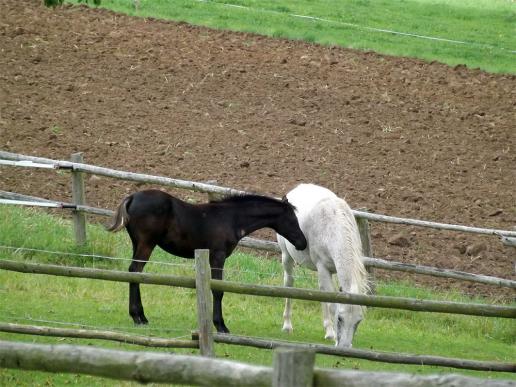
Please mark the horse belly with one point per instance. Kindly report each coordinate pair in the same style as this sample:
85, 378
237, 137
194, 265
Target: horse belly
177, 250
182, 240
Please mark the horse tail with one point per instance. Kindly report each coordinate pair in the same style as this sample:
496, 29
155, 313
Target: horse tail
121, 217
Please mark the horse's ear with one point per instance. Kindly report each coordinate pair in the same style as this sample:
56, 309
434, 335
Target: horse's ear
284, 199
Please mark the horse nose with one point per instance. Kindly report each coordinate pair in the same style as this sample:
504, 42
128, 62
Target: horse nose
302, 245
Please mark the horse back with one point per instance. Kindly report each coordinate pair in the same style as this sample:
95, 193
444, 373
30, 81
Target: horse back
149, 213
306, 196
176, 226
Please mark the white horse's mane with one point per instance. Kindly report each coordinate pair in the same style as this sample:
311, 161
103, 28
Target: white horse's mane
359, 279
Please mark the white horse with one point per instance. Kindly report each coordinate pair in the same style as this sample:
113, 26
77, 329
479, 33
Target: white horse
334, 246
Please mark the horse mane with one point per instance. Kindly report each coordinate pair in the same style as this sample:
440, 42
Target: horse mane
249, 198
358, 272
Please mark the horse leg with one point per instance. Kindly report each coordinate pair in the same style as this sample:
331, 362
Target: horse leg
217, 260
141, 255
288, 281
328, 309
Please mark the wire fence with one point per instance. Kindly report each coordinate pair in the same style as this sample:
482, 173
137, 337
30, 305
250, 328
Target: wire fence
359, 27
234, 273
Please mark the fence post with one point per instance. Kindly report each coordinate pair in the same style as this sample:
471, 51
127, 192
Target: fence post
293, 367
78, 198
367, 249
204, 302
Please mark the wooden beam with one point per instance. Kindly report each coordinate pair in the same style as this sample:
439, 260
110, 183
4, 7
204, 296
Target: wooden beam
273, 247
359, 299
368, 261
143, 367
367, 250
95, 334
386, 357
332, 378
151, 367
98, 274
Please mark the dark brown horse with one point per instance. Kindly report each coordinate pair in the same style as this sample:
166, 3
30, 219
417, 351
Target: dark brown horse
154, 218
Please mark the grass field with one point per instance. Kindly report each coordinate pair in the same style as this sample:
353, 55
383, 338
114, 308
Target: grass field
68, 302
477, 33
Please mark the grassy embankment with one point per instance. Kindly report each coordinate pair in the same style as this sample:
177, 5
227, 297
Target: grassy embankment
477, 33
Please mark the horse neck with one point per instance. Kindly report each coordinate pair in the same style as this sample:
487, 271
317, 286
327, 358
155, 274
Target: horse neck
253, 216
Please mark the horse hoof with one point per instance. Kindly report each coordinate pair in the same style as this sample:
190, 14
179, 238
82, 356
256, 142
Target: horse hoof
140, 320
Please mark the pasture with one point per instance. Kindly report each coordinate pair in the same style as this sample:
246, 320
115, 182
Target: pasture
67, 302
396, 135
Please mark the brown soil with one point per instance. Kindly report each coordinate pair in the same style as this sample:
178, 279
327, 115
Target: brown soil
399, 136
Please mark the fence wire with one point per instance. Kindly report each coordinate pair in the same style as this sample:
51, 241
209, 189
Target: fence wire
233, 273
358, 26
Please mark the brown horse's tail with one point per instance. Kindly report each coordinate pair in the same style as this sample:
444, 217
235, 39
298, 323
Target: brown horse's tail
121, 217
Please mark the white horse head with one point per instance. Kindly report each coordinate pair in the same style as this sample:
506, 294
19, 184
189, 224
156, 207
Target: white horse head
347, 319
334, 247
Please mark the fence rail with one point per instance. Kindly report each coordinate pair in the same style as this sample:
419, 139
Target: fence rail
78, 207
384, 357
150, 367
160, 342
267, 291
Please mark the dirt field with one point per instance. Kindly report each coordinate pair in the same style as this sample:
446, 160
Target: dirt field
398, 136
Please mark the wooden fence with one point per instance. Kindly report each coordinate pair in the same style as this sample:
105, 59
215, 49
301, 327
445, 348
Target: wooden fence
204, 338
79, 208
14, 159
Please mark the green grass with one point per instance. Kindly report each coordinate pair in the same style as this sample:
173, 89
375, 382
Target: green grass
487, 27
52, 301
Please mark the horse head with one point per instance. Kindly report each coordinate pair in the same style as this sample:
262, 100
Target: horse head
347, 319
287, 226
